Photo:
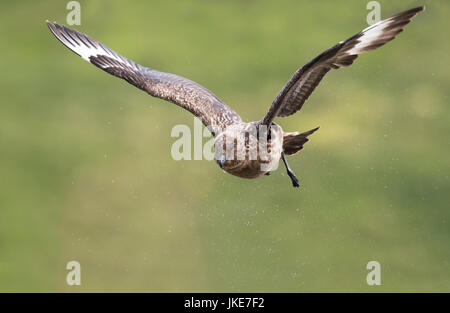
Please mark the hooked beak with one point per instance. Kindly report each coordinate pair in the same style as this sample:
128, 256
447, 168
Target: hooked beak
222, 160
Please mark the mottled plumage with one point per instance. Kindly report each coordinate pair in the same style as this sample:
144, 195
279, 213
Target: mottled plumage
179, 90
225, 123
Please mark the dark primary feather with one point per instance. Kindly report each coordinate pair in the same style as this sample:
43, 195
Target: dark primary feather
305, 80
179, 90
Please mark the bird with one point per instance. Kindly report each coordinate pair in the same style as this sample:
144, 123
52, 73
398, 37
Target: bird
242, 149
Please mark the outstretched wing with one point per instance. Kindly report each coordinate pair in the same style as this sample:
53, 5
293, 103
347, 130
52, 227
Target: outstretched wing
179, 90
305, 80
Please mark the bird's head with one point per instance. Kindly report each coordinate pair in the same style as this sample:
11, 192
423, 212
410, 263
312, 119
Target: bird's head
244, 149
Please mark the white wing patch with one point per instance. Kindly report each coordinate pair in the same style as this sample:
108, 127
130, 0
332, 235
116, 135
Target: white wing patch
379, 33
86, 46
372, 34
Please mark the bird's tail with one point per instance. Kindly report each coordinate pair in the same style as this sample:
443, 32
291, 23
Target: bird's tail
293, 142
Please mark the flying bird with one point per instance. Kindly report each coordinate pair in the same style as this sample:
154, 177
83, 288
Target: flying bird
263, 143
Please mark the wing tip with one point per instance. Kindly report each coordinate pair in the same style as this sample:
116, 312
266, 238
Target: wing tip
312, 131
51, 24
411, 13
380, 33
419, 8
67, 37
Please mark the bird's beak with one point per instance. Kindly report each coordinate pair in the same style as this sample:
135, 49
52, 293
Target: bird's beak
222, 160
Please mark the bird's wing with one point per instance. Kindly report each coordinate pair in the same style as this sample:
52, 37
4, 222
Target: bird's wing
305, 80
179, 90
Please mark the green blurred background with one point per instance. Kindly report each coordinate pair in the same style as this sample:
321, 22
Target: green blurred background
87, 175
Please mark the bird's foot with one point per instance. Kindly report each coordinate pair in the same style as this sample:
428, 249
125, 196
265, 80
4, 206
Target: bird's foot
291, 174
294, 179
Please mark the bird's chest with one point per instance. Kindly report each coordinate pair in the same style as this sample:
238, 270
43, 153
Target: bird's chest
252, 154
